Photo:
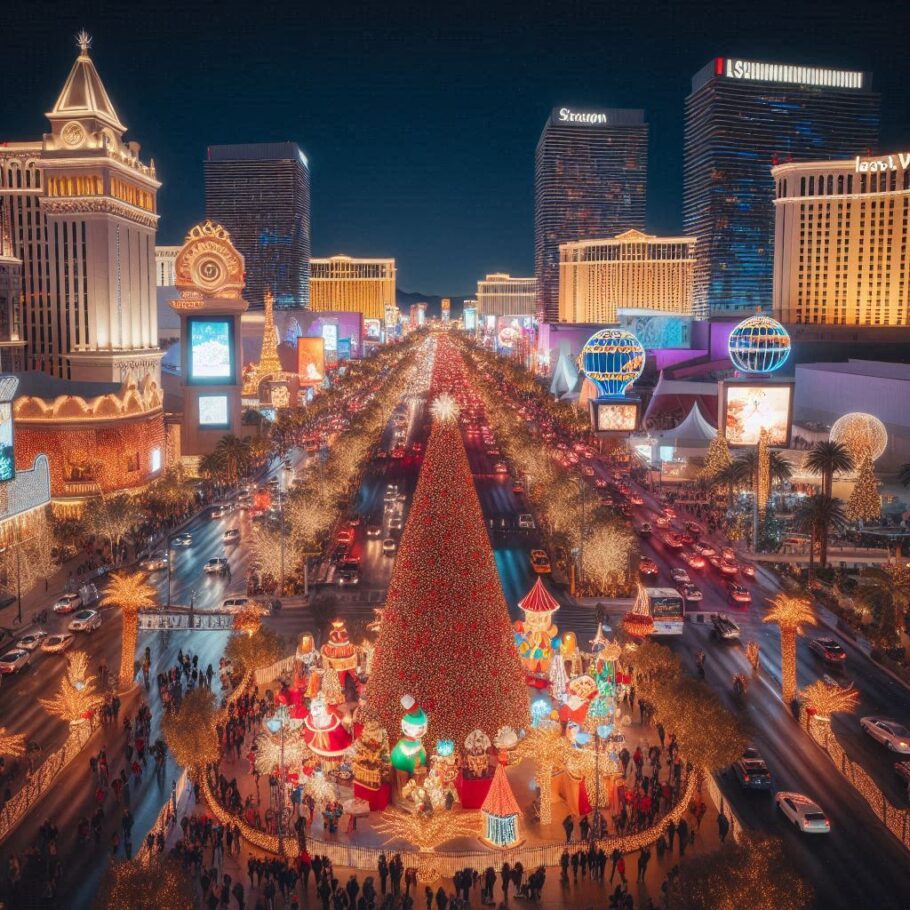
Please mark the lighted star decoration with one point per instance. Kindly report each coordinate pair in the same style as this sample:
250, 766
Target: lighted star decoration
444, 408
84, 41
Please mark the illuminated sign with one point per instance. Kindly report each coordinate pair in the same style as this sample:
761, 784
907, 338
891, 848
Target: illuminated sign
310, 361
7, 458
344, 348
888, 163
748, 408
155, 460
213, 411
567, 115
211, 350
752, 71
614, 417
469, 315
330, 337
372, 328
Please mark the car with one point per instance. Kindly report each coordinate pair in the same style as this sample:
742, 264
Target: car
637, 499
704, 549
154, 563
662, 521
231, 535
14, 661
183, 540
724, 628
351, 561
670, 513
540, 562
396, 523
374, 530
355, 521
751, 771
680, 576
747, 569
398, 452
587, 471
902, 770
389, 546
493, 452
518, 488
889, 733
68, 603
692, 560
85, 621
727, 568
56, 644
828, 650
687, 538
729, 554
345, 536
31, 641
224, 511
500, 468
235, 603
347, 578
381, 455
805, 814
526, 521
217, 565
600, 483
738, 594
693, 527
644, 529
673, 541
690, 593
647, 568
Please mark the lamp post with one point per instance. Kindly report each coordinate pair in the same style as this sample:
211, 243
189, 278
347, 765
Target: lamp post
600, 734
277, 724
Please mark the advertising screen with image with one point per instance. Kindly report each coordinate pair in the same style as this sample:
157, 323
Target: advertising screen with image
310, 361
616, 416
213, 411
211, 350
372, 329
748, 408
7, 459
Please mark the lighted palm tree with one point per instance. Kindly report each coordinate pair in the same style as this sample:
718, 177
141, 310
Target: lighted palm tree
11, 744
827, 459
190, 732
131, 593
818, 516
790, 614
825, 699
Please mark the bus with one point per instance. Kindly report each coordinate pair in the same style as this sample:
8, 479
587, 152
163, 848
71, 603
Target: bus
667, 610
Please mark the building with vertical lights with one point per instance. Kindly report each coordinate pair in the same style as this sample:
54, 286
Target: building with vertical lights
631, 271
261, 194
343, 284
742, 118
841, 234
500, 294
590, 180
81, 208
12, 344
166, 266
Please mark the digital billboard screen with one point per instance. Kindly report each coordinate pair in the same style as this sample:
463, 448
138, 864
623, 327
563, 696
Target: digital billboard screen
7, 457
310, 361
469, 315
509, 329
213, 411
372, 329
615, 416
211, 350
748, 408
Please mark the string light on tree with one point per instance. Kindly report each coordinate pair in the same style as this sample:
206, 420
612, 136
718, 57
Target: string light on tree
865, 503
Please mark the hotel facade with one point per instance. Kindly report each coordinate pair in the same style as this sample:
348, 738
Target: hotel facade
500, 294
841, 234
631, 271
342, 284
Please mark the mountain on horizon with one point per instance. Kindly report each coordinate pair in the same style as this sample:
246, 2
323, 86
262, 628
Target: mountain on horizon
404, 299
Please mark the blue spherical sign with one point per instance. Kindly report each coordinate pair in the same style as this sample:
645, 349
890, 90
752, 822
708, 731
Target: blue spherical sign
612, 359
759, 344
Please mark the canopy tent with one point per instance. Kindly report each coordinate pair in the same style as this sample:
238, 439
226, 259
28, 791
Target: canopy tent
565, 376
695, 432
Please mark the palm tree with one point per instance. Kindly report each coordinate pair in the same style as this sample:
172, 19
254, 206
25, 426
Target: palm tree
790, 614
904, 474
827, 459
235, 455
131, 593
818, 516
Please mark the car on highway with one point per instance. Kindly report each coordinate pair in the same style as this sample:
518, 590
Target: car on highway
600, 483
347, 578
389, 546
518, 488
339, 553
747, 569
526, 521
636, 499
672, 540
398, 452
85, 621
587, 471
381, 455
374, 530
231, 535
680, 576
31, 641
235, 603
729, 554
724, 628
540, 562
805, 814
500, 468
345, 535
738, 594
662, 521
902, 770
690, 593
751, 771
828, 650
726, 568
391, 491
396, 523
647, 568
704, 549
669, 512
154, 563
693, 527
14, 661
67, 603
888, 732
223, 511
57, 644
644, 529
692, 560
217, 565
183, 540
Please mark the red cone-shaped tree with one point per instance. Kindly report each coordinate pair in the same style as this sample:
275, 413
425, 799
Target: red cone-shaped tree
445, 637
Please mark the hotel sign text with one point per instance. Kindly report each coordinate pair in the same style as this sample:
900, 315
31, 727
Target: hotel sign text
898, 162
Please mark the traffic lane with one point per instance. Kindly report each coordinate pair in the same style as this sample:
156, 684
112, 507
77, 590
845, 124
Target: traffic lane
859, 863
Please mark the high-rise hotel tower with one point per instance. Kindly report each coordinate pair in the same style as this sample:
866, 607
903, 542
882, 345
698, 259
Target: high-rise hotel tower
742, 119
261, 194
590, 180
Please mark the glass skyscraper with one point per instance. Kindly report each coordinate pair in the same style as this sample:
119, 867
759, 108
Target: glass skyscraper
743, 118
261, 194
590, 181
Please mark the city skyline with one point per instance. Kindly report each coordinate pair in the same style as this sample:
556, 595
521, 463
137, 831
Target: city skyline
386, 147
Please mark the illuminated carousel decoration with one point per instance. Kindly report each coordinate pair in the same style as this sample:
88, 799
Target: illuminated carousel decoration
638, 622
861, 434
324, 733
759, 344
536, 635
339, 653
501, 810
612, 359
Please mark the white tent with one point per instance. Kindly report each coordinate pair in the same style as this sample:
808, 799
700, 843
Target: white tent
695, 432
565, 376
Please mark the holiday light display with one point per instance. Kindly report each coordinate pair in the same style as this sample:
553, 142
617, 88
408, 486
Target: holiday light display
476, 759
12, 745
823, 699
602, 710
131, 593
762, 473
790, 614
371, 756
427, 830
190, 732
338, 652
409, 753
865, 503
501, 810
548, 749
612, 359
446, 636
759, 344
77, 698
324, 733
638, 622
717, 459
536, 635
863, 435
330, 687
160, 883
559, 678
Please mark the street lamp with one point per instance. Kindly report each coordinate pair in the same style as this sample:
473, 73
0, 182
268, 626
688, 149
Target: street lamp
278, 724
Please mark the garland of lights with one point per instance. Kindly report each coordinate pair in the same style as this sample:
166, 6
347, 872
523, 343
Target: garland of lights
790, 614
865, 502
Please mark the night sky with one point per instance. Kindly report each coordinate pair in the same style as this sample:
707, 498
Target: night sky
420, 120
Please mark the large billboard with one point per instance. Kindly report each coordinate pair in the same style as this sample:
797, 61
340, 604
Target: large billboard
747, 408
311, 361
614, 416
372, 329
298, 323
7, 457
469, 315
510, 329
211, 349
213, 412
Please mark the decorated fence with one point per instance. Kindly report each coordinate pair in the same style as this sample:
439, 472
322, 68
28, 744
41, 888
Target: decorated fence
736, 826
167, 817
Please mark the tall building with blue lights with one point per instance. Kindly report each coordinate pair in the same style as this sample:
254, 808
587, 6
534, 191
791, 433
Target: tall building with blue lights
741, 119
260, 192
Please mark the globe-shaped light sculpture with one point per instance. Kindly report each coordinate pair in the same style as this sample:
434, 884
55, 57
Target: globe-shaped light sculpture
759, 344
612, 359
862, 435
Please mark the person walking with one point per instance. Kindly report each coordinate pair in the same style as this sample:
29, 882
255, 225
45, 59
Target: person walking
568, 826
723, 826
615, 857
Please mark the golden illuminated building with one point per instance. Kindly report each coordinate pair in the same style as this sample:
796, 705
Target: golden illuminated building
342, 284
840, 241
630, 271
499, 294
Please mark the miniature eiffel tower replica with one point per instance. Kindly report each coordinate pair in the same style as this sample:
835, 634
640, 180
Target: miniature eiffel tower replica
269, 362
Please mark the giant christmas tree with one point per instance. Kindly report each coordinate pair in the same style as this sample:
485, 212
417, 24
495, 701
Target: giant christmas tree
446, 638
